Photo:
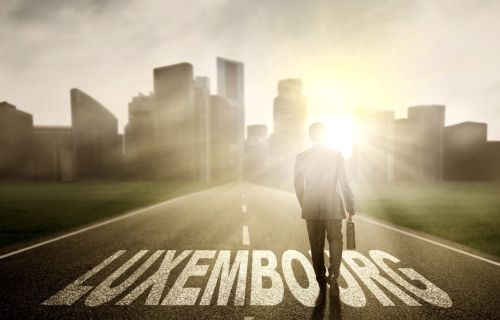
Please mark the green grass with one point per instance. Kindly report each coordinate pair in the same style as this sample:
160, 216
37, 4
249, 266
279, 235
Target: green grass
466, 213
31, 210
463, 212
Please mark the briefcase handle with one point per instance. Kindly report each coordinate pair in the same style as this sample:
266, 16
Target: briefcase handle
343, 202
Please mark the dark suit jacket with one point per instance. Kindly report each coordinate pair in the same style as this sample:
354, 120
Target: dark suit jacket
319, 174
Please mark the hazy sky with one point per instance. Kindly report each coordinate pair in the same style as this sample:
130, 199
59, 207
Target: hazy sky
380, 54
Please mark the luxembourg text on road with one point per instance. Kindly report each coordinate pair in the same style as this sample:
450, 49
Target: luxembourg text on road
378, 272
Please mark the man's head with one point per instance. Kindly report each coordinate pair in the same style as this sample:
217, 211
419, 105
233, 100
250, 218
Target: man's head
317, 133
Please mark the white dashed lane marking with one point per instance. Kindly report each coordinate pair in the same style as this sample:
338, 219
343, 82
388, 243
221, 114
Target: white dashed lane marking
246, 236
244, 208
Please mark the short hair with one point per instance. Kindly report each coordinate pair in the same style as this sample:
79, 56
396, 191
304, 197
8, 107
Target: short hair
317, 131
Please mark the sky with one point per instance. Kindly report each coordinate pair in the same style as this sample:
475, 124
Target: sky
377, 54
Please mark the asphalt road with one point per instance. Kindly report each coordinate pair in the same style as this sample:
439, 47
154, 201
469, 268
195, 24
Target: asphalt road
177, 260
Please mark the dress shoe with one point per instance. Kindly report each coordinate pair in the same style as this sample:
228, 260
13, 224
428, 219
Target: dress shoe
334, 287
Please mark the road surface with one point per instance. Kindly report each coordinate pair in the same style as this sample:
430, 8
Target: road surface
239, 251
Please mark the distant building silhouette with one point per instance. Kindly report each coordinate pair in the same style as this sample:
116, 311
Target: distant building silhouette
404, 149
256, 151
468, 155
96, 143
176, 121
428, 125
140, 137
230, 86
16, 142
289, 135
181, 131
203, 129
53, 153
224, 159
289, 119
90, 148
372, 154
190, 127
464, 145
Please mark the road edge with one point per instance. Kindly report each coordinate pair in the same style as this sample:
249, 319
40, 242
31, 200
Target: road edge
447, 244
121, 216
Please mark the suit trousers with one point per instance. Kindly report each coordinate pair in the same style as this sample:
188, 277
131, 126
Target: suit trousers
316, 230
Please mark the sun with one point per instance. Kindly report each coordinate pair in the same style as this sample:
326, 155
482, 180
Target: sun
330, 102
339, 134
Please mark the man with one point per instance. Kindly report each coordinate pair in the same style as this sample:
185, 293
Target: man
320, 182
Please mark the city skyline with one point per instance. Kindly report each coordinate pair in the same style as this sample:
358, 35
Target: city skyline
423, 40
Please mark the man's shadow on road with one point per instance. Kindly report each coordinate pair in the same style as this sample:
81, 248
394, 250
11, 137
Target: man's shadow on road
334, 308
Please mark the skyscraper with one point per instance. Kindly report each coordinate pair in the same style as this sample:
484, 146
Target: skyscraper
289, 117
16, 142
96, 143
176, 121
464, 146
53, 153
289, 135
230, 85
428, 125
223, 156
140, 136
202, 105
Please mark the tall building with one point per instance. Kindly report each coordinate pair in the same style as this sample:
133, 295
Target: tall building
289, 135
202, 105
16, 142
176, 121
224, 161
53, 153
428, 125
464, 144
140, 136
230, 85
96, 143
468, 155
289, 117
372, 156
404, 149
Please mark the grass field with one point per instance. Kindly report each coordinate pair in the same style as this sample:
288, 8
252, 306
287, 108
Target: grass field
30, 210
466, 213
463, 212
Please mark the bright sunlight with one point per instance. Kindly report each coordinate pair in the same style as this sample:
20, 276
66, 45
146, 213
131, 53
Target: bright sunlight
330, 106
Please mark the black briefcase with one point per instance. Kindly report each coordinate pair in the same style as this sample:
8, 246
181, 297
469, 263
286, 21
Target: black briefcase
350, 235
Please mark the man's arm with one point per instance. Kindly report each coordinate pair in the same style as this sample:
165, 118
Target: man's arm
345, 187
299, 181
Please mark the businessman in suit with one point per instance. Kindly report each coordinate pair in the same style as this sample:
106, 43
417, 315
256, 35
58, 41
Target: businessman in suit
320, 183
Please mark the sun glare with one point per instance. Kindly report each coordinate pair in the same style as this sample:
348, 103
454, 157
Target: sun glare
339, 134
329, 104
